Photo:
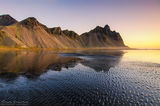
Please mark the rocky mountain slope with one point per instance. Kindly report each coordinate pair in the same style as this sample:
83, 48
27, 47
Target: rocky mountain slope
30, 33
6, 20
102, 37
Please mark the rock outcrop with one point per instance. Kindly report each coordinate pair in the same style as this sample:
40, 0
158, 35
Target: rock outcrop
6, 20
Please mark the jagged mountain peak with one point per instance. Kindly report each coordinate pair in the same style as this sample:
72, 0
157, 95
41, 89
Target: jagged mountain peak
59, 31
104, 29
5, 15
71, 34
30, 22
107, 27
68, 31
31, 19
97, 29
6, 20
56, 30
102, 37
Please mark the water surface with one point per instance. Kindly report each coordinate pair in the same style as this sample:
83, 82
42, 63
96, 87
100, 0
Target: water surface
80, 77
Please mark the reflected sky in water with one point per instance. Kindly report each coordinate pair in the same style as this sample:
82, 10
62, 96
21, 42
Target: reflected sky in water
80, 77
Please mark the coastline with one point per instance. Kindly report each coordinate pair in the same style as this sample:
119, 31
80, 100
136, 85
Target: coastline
34, 48
94, 48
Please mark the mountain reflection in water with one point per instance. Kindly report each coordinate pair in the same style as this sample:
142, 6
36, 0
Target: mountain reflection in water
32, 64
98, 60
80, 77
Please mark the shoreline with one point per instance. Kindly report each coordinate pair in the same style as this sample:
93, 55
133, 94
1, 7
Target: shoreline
96, 48
100, 48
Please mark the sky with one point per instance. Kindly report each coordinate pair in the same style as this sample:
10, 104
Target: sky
138, 21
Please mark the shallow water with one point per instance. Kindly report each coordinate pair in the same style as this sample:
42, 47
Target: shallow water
80, 77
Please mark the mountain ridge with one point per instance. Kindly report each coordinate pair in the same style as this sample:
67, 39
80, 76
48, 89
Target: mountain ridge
6, 20
30, 33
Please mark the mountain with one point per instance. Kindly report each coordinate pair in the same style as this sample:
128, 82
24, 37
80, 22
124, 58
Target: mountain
102, 37
6, 20
30, 33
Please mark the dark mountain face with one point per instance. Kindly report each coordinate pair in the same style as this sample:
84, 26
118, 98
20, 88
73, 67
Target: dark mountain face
71, 34
56, 30
6, 20
31, 33
32, 23
59, 31
102, 37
